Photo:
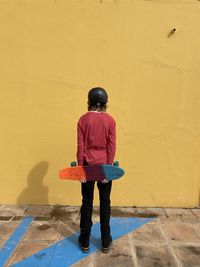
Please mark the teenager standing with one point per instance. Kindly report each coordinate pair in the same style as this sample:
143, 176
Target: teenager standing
96, 144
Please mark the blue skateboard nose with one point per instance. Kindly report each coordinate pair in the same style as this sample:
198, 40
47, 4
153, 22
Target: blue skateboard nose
112, 172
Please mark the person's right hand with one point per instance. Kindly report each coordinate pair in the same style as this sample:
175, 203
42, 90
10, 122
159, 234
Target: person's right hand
104, 181
82, 180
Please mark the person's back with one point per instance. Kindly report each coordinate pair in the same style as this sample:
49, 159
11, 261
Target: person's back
96, 137
96, 141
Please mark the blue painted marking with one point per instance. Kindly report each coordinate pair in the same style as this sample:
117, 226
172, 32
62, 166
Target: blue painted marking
67, 252
10, 245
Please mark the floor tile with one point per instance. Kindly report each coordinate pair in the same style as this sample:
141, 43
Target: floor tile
2, 242
120, 255
12, 210
148, 233
88, 261
179, 231
154, 255
196, 212
45, 231
183, 215
68, 229
39, 210
189, 256
7, 228
27, 249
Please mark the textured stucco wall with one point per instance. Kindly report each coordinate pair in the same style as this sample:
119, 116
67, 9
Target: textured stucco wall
53, 52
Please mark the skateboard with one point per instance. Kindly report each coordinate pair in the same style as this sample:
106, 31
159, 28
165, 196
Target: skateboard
92, 172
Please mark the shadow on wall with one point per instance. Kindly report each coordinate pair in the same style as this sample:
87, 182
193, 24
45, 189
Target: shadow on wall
35, 192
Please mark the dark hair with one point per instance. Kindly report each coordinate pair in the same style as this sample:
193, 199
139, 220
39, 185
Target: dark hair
99, 107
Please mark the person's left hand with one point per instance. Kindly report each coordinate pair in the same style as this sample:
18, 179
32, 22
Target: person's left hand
104, 181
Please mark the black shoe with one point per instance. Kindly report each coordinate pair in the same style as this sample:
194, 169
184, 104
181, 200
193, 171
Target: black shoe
106, 245
84, 245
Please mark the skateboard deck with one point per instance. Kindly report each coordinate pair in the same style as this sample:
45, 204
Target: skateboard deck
92, 172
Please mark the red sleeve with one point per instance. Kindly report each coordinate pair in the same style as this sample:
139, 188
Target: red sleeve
80, 144
111, 146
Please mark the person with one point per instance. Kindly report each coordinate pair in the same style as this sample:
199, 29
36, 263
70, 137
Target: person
96, 144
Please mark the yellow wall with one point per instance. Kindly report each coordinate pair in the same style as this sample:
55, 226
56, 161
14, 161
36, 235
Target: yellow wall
53, 52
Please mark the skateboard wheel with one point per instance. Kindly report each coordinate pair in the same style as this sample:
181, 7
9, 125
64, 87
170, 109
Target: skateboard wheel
73, 164
116, 163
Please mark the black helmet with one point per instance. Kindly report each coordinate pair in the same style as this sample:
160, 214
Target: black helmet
97, 95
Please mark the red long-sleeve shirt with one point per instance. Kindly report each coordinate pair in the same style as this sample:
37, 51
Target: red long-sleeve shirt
96, 138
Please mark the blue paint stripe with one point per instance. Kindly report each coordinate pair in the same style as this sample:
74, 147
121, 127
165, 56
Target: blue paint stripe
10, 245
67, 252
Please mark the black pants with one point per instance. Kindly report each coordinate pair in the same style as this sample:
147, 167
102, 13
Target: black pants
87, 207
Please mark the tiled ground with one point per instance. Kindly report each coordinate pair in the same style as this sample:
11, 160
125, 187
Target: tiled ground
172, 239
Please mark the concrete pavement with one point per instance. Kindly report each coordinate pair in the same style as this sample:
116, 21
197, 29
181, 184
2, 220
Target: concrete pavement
171, 239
